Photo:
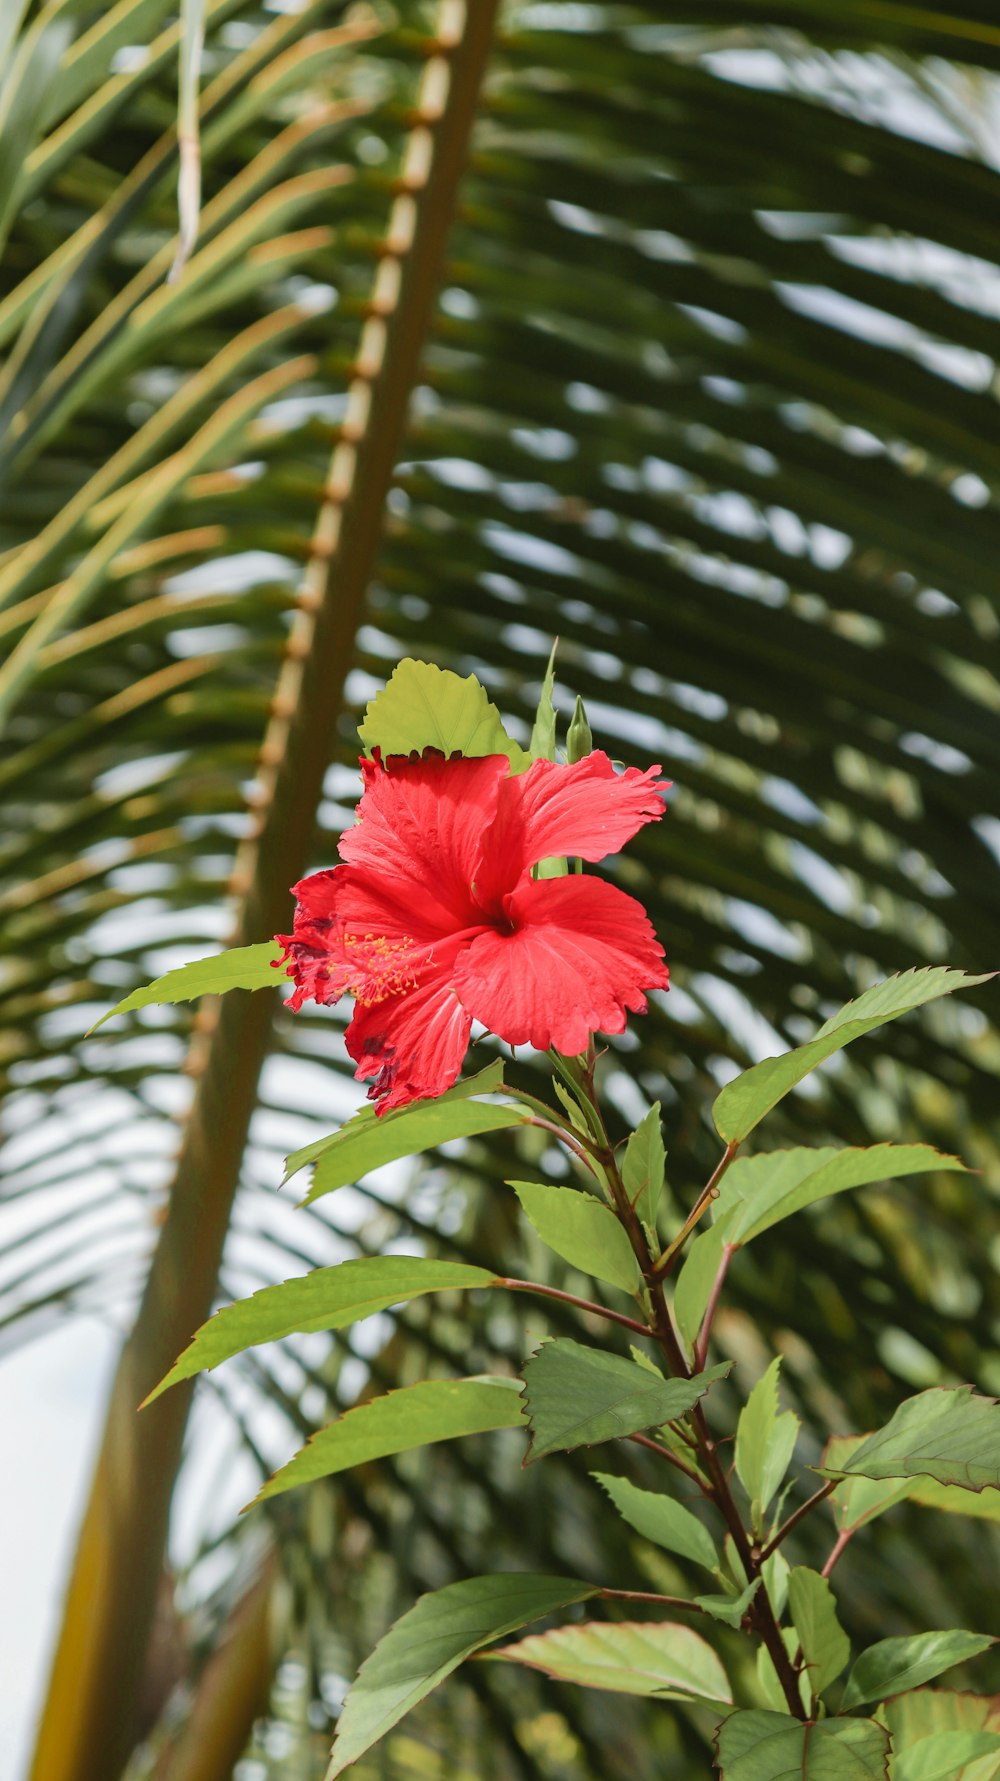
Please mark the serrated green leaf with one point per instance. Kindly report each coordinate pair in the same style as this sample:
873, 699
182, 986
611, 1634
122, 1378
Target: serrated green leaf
430, 1641
948, 1756
760, 1746
729, 1608
895, 1665
367, 1140
582, 1230
326, 1299
949, 1433
759, 1191
422, 706
661, 1519
658, 1658
695, 1280
764, 1441
414, 1416
242, 967
644, 1166
575, 1396
743, 1103
825, 1646
542, 746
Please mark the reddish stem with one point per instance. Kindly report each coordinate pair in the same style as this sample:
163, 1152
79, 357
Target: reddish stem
672, 1459
801, 1512
701, 1346
569, 1298
837, 1549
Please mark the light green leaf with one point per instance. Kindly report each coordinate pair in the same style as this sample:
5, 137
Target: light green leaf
582, 1230
948, 1756
764, 1442
579, 736
744, 1102
695, 1280
759, 1191
433, 1410
760, 1746
575, 1396
242, 967
368, 1140
542, 746
422, 706
983, 1505
920, 1721
767, 1675
948, 1433
825, 1646
894, 1665
326, 1299
644, 1166
729, 1608
661, 1519
651, 1658
430, 1641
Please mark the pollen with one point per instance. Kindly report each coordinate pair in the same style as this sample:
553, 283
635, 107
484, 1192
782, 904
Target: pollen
380, 967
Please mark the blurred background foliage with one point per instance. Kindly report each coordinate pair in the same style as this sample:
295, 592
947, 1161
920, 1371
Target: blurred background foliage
669, 330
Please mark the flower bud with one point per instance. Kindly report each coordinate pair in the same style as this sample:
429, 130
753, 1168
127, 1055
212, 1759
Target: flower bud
579, 738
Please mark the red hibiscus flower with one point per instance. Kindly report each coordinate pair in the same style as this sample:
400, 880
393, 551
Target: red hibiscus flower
434, 919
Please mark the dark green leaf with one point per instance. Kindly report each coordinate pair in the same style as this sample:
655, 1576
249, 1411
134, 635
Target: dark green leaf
948, 1433
644, 1166
576, 1396
894, 1665
774, 1747
430, 1641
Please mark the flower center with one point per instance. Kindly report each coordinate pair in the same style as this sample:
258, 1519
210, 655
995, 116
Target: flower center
379, 967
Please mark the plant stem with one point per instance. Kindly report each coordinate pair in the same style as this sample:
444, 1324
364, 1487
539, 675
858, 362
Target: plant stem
801, 1512
837, 1549
569, 1298
672, 1459
643, 1595
718, 1487
701, 1346
708, 1193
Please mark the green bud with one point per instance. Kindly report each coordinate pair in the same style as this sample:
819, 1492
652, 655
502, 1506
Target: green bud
579, 737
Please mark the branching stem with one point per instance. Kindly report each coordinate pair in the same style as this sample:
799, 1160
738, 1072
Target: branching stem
569, 1298
800, 1514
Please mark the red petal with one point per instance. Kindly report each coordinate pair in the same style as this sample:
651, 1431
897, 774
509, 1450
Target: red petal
412, 1044
421, 825
586, 811
580, 954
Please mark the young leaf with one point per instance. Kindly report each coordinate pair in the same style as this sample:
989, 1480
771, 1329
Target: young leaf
644, 1166
413, 1416
661, 1519
326, 1299
759, 1191
764, 1442
744, 1102
760, 1746
242, 967
729, 1608
695, 1280
366, 1141
894, 1665
422, 706
948, 1433
582, 1230
430, 1641
651, 1658
825, 1646
542, 746
948, 1756
575, 1396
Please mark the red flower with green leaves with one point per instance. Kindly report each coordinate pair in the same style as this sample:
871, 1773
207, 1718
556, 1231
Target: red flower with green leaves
434, 919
